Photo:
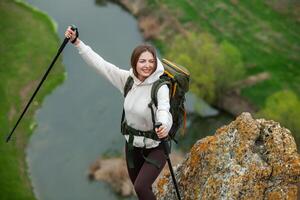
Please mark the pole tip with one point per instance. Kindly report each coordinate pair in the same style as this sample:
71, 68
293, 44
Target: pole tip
8, 138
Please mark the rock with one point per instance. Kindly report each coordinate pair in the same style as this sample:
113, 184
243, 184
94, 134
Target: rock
114, 172
133, 6
247, 159
154, 23
252, 80
234, 97
235, 104
149, 26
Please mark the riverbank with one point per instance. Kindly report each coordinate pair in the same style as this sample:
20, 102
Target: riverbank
266, 35
28, 43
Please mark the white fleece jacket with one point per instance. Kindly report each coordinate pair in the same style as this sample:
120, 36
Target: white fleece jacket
137, 112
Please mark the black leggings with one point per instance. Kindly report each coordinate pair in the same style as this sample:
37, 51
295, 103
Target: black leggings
144, 174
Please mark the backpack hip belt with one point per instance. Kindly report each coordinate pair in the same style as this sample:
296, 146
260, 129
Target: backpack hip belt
128, 130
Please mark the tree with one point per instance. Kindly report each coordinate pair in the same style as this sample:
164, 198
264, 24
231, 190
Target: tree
214, 68
230, 68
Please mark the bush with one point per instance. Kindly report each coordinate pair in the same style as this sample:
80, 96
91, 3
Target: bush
214, 67
284, 107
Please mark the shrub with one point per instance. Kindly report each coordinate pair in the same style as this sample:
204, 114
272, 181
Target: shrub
284, 107
214, 67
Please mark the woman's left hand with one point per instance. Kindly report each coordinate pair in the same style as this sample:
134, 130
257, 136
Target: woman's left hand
161, 132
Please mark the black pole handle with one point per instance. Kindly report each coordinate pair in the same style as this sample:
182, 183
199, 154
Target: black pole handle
157, 124
66, 40
164, 140
74, 28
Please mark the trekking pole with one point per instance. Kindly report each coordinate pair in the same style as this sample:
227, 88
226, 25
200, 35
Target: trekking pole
166, 149
66, 40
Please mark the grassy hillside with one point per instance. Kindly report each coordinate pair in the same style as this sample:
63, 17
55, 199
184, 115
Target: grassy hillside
28, 43
266, 32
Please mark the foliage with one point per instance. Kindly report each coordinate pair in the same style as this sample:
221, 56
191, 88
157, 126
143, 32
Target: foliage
284, 107
214, 68
28, 42
265, 32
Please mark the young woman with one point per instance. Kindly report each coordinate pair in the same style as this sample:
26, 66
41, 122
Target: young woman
144, 152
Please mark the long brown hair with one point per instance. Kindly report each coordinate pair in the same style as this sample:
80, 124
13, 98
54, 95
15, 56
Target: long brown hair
136, 55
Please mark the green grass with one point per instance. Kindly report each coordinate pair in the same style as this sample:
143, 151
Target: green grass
28, 44
268, 40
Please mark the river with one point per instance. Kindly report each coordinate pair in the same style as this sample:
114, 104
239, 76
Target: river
79, 120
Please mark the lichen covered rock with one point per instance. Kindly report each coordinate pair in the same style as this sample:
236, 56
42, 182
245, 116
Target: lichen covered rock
247, 159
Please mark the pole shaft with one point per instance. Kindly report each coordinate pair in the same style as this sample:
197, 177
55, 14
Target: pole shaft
37, 89
166, 147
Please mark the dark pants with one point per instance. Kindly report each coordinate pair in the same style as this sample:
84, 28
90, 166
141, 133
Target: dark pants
144, 174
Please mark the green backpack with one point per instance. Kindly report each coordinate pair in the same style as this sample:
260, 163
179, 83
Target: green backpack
177, 79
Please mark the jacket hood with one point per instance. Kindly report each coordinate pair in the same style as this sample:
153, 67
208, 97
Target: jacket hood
152, 78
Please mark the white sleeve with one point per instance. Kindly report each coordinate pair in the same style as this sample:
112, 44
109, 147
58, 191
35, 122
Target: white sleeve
163, 114
114, 74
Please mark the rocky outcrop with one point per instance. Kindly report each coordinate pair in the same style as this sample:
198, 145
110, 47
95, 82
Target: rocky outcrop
158, 23
234, 97
232, 102
114, 172
247, 159
135, 7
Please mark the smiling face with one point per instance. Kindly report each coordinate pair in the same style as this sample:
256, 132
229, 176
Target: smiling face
143, 61
145, 65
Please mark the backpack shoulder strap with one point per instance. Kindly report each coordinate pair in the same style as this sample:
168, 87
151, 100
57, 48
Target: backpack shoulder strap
127, 88
156, 85
128, 85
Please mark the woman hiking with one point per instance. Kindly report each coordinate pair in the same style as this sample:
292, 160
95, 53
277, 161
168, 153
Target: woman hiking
145, 155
